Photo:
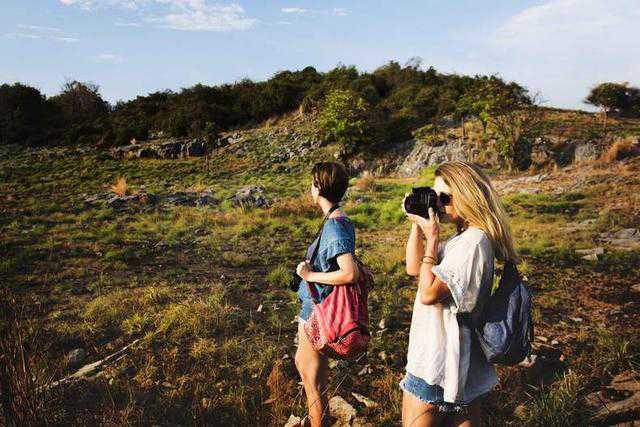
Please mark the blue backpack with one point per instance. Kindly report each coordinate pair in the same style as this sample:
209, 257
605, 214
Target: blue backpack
505, 327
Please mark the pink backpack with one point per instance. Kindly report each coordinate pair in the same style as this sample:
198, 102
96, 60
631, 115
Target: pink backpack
338, 326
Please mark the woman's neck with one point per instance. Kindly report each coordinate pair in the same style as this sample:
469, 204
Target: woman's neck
326, 205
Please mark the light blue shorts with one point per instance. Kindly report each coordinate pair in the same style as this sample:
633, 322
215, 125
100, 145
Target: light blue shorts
433, 394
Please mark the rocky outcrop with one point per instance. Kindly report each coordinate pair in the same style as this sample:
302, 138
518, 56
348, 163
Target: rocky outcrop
250, 196
618, 402
171, 148
626, 239
420, 155
180, 198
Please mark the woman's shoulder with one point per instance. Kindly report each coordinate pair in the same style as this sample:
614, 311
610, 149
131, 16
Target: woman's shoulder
472, 236
339, 227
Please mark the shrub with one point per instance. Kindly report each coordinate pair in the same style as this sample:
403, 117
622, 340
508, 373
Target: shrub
367, 182
342, 119
121, 188
621, 149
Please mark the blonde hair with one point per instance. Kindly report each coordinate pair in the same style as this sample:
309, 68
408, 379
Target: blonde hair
477, 202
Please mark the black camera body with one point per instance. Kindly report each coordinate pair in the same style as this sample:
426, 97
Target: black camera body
294, 284
420, 200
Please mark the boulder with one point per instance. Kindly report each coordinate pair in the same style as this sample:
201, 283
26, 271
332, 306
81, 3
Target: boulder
194, 148
75, 358
586, 152
342, 411
625, 239
422, 155
250, 195
617, 402
293, 421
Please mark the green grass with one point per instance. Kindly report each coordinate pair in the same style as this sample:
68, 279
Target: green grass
189, 280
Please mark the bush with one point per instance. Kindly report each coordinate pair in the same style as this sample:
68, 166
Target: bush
621, 149
343, 119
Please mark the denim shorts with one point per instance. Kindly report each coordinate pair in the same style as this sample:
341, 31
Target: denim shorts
433, 394
305, 310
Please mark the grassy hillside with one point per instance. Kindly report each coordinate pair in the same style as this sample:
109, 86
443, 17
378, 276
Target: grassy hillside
204, 288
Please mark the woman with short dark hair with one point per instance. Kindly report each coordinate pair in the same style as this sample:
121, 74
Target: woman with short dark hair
333, 265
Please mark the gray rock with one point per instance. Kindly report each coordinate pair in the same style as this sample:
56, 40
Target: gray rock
586, 152
617, 402
293, 421
251, 195
76, 357
591, 254
342, 410
369, 403
422, 155
625, 239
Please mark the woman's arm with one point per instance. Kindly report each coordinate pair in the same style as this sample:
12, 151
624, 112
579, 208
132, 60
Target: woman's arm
347, 272
415, 250
430, 288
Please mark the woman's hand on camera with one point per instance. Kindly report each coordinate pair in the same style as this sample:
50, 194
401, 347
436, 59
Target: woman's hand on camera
303, 269
430, 227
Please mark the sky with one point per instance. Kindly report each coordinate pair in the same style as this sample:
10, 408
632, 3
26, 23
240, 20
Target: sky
558, 48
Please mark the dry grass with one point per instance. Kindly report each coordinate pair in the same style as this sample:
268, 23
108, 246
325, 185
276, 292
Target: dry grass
621, 149
24, 372
301, 207
198, 187
367, 182
121, 188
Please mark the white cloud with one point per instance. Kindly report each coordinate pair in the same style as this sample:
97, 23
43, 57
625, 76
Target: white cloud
339, 11
108, 58
39, 28
196, 15
294, 10
93, 4
65, 39
336, 11
37, 32
186, 15
128, 24
569, 20
21, 36
564, 47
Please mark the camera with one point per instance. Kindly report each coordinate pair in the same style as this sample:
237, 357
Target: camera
294, 284
420, 200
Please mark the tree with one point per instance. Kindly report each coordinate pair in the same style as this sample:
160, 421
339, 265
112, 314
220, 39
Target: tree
617, 98
23, 115
80, 113
343, 119
80, 102
516, 120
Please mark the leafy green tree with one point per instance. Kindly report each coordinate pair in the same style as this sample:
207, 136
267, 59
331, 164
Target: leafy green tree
81, 115
516, 120
23, 115
617, 98
343, 119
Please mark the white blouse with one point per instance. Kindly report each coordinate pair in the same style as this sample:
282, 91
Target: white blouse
440, 352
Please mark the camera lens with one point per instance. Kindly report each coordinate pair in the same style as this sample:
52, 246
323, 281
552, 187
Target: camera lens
445, 198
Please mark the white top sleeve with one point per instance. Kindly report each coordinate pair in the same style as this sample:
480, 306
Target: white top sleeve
466, 261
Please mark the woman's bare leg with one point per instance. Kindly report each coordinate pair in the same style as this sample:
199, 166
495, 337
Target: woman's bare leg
473, 419
312, 367
416, 413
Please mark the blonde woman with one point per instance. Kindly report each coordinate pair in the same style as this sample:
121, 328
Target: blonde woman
447, 373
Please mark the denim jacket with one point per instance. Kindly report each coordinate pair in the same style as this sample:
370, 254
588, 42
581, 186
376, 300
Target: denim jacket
338, 237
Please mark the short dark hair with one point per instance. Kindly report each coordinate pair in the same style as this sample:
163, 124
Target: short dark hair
331, 179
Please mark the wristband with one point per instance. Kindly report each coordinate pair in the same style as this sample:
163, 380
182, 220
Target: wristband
429, 258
